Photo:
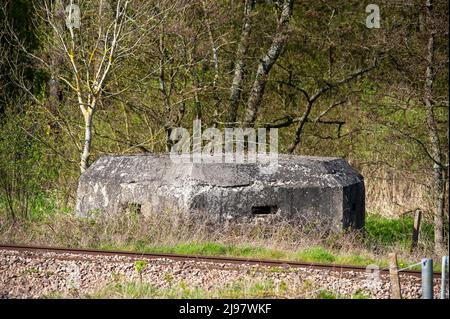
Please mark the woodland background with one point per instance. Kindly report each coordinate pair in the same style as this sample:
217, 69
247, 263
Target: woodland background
136, 69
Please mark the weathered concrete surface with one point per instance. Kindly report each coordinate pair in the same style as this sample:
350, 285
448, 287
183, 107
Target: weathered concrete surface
310, 187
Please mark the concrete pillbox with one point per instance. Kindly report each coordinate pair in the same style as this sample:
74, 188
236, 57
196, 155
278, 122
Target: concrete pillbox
300, 186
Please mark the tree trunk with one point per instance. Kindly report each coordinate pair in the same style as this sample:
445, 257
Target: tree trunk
267, 62
299, 130
438, 169
215, 57
84, 163
55, 92
236, 86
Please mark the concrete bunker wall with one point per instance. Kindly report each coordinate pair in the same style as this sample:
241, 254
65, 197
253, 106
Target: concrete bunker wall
305, 187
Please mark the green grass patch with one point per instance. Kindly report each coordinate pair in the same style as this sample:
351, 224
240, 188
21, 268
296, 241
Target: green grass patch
388, 232
129, 290
359, 260
180, 290
360, 295
325, 294
205, 249
316, 254
208, 249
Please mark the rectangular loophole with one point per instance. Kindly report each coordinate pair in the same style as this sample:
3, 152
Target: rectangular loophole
264, 210
132, 208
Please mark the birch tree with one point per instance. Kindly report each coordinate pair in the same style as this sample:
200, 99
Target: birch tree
94, 39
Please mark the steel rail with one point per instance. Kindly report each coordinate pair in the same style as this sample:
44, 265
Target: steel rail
212, 259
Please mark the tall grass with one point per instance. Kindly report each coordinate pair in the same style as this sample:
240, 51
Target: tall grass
174, 232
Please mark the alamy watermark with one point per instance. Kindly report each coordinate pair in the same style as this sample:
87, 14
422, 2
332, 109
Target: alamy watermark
232, 145
373, 19
73, 278
373, 280
73, 15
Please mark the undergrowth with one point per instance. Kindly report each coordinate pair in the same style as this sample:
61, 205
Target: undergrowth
169, 232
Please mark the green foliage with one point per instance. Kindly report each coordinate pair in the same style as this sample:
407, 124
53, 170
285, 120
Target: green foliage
208, 249
325, 294
314, 254
387, 231
262, 289
22, 172
129, 290
360, 295
383, 111
317, 254
358, 260
216, 249
140, 265
20, 15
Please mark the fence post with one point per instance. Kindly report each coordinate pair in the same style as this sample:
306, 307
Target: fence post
444, 277
416, 229
396, 292
427, 278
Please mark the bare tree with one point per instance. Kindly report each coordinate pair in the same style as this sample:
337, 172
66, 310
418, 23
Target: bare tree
433, 132
109, 32
241, 53
412, 82
311, 100
267, 62
215, 58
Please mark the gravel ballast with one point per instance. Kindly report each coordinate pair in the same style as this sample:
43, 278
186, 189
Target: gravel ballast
27, 274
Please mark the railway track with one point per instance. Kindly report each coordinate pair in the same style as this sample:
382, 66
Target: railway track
211, 259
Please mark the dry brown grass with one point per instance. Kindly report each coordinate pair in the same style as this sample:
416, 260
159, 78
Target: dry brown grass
392, 193
164, 228
184, 233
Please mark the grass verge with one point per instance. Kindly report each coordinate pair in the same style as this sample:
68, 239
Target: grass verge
181, 234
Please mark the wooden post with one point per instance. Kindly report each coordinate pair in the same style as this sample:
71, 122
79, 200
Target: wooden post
416, 229
396, 292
